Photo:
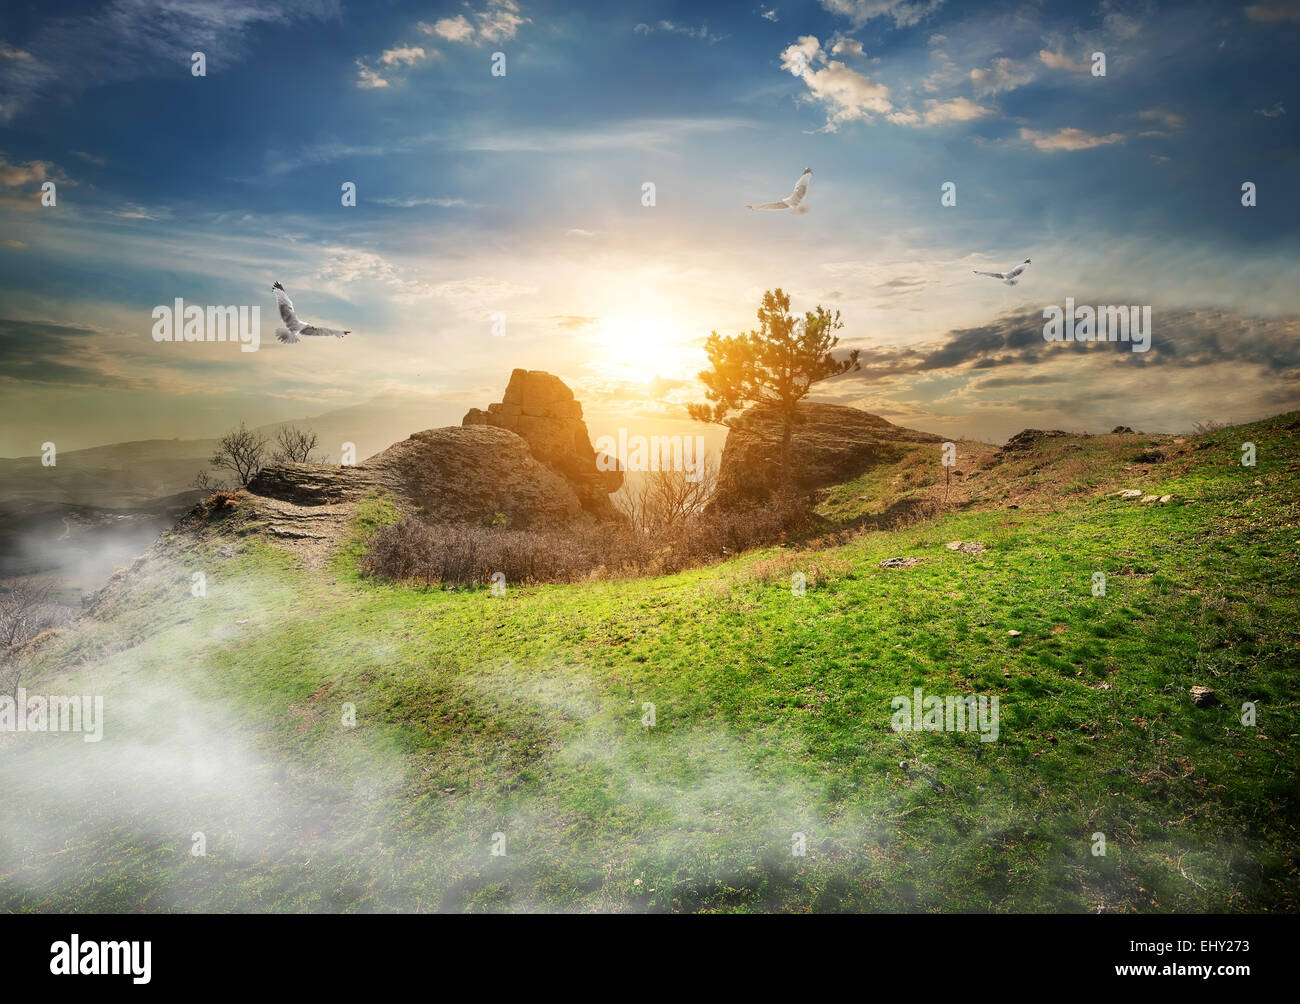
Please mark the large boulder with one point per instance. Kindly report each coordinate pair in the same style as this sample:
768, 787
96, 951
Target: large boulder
1028, 439
540, 408
450, 475
831, 444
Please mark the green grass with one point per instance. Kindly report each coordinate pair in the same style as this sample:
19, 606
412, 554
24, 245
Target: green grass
523, 715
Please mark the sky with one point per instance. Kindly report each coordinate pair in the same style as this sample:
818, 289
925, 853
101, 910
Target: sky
502, 221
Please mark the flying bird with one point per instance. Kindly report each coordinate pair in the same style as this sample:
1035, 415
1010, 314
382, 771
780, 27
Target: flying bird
1008, 277
295, 327
795, 199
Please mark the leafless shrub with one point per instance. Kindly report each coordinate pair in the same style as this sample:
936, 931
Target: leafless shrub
205, 482
26, 610
660, 499
1208, 426
466, 554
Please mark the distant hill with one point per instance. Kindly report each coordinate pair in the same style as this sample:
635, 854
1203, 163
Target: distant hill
123, 475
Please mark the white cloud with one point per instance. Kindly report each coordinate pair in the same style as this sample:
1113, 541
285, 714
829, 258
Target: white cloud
1060, 61
13, 175
1271, 113
413, 202
396, 58
1003, 75
848, 96
130, 211
638, 133
851, 96
903, 12
1068, 140
367, 78
478, 291
702, 32
842, 44
405, 55
453, 29
1171, 119
498, 21
1122, 24
769, 15
347, 266
954, 110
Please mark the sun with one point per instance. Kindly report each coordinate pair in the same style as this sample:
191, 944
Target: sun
637, 349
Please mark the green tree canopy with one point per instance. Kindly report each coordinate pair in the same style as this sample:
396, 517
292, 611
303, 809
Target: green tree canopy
775, 365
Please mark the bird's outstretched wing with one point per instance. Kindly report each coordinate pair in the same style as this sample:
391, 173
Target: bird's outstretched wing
312, 331
771, 205
1017, 270
992, 275
286, 309
800, 189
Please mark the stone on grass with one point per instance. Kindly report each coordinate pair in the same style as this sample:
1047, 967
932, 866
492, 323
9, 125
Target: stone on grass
900, 562
1203, 697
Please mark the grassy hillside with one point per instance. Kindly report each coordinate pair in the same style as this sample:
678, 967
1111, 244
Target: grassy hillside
522, 715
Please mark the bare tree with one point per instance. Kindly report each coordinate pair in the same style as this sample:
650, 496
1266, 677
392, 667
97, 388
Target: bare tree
242, 453
663, 499
295, 446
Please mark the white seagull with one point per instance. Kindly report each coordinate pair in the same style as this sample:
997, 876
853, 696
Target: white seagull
1008, 277
795, 199
294, 326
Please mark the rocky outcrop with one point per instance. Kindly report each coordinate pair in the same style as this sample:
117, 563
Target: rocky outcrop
470, 473
831, 444
541, 409
453, 475
1028, 439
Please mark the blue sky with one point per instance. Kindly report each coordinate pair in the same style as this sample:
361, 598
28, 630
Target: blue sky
521, 195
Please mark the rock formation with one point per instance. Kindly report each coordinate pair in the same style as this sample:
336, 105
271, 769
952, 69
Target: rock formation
1028, 439
528, 458
540, 408
831, 444
450, 475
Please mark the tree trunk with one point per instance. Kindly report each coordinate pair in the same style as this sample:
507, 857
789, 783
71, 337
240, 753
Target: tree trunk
787, 453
